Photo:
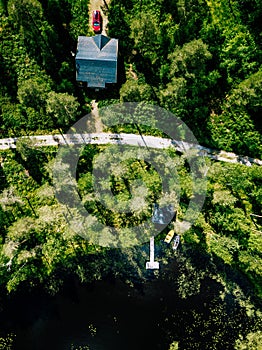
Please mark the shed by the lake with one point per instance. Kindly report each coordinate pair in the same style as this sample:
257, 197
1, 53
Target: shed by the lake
96, 60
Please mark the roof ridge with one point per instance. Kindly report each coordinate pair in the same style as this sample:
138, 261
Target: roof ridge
101, 41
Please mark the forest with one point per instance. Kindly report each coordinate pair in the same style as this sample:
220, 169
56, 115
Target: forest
199, 60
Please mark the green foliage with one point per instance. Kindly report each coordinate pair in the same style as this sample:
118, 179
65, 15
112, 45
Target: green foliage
189, 280
145, 33
118, 26
252, 341
80, 347
238, 55
6, 343
79, 23
32, 93
189, 82
237, 127
135, 184
62, 107
250, 13
174, 346
35, 59
134, 91
38, 36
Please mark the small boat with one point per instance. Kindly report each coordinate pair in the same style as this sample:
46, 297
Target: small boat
169, 236
176, 242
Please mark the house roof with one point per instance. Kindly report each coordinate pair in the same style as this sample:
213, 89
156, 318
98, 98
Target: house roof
96, 60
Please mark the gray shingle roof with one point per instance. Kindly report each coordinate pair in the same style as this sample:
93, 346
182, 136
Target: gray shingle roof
96, 60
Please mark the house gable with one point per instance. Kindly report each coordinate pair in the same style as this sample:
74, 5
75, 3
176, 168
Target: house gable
96, 60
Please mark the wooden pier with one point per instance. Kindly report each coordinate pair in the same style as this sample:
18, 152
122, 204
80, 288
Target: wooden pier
152, 264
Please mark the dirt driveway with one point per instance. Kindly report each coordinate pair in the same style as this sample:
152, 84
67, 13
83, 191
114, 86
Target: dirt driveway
95, 124
101, 6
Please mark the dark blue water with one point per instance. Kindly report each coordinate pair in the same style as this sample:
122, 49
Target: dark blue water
108, 315
112, 315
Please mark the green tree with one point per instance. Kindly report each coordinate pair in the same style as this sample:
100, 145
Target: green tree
38, 36
119, 26
9, 198
174, 346
12, 118
145, 33
32, 93
3, 5
252, 341
239, 55
62, 107
6, 343
190, 81
250, 13
79, 19
237, 127
134, 91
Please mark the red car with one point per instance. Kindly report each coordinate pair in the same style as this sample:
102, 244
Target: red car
97, 21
